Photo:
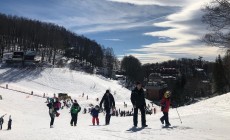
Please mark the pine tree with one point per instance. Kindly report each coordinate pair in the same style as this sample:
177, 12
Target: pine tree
219, 76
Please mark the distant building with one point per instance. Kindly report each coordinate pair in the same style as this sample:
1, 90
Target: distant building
154, 90
19, 57
155, 86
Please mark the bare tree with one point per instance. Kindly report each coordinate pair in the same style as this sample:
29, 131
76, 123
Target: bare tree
218, 19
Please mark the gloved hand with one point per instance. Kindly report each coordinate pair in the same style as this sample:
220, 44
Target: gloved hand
101, 109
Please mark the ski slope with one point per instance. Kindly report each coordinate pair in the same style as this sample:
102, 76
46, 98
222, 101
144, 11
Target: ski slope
61, 80
206, 120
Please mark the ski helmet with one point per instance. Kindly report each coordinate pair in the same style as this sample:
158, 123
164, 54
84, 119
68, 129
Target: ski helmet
167, 94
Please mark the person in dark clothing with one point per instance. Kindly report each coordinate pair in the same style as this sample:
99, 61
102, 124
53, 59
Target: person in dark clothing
9, 123
75, 109
52, 111
165, 104
94, 113
1, 121
109, 105
138, 101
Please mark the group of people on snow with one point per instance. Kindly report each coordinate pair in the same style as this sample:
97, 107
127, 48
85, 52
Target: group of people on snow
108, 103
2, 121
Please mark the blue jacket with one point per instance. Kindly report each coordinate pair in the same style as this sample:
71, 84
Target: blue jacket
94, 112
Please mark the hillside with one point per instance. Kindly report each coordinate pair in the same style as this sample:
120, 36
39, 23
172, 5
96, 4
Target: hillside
61, 80
208, 119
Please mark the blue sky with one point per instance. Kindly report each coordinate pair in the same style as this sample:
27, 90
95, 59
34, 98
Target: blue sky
151, 30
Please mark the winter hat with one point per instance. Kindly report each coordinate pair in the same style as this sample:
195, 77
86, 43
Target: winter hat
138, 82
107, 91
97, 107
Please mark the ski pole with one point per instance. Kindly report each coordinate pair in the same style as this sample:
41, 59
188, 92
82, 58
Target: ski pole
179, 116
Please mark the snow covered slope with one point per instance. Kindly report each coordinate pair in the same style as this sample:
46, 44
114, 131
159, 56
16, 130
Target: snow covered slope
206, 120
61, 80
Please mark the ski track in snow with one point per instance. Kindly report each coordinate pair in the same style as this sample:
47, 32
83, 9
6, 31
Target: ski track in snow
205, 120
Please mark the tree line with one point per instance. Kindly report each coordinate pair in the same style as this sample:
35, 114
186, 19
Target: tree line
49, 40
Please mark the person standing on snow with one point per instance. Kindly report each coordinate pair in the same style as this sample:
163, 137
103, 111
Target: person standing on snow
52, 112
75, 109
9, 123
165, 104
1, 121
109, 105
138, 101
94, 113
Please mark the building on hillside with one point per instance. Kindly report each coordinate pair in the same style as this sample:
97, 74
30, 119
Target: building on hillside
159, 82
154, 90
155, 86
19, 57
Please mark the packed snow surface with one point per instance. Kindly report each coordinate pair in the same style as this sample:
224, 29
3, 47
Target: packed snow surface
205, 120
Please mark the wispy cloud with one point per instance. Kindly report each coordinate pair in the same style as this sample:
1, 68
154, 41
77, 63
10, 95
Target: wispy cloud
182, 36
155, 2
113, 39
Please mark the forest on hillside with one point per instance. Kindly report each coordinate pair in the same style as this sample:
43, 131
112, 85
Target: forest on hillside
50, 40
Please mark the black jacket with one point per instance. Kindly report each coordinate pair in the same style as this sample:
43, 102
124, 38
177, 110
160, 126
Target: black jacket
138, 97
108, 101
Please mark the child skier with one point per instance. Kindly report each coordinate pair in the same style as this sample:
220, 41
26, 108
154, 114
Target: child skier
165, 104
9, 123
75, 109
94, 113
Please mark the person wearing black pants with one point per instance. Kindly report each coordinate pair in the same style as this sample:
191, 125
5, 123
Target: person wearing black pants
75, 109
73, 120
165, 118
109, 104
52, 120
135, 116
51, 113
9, 123
107, 116
138, 101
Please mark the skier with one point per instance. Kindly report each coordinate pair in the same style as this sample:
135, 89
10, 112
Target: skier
52, 112
1, 121
165, 104
75, 109
94, 113
138, 101
109, 105
9, 123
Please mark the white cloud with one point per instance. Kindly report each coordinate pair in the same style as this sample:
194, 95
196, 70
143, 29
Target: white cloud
113, 39
155, 2
96, 16
182, 35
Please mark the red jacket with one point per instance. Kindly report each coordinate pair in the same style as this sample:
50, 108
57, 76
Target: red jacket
165, 104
